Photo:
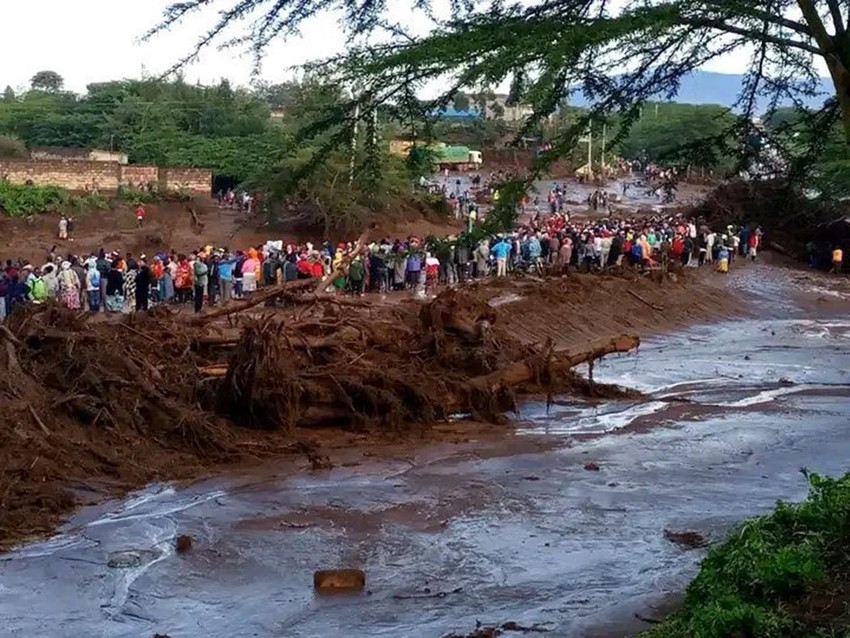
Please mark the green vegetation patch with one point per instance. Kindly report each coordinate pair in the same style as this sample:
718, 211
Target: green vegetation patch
22, 200
780, 575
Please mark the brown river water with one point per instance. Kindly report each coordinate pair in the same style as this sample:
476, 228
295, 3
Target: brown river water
516, 531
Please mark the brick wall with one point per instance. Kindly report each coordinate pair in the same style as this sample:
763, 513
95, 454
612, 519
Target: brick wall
75, 175
196, 180
138, 176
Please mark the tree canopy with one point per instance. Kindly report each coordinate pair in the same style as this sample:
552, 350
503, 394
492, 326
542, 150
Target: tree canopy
619, 55
49, 81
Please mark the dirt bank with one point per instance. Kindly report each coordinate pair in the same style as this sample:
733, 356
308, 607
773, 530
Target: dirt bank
96, 406
171, 226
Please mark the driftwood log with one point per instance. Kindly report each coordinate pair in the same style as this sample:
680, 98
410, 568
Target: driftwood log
525, 371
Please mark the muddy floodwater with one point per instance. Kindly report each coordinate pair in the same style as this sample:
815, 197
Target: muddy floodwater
448, 535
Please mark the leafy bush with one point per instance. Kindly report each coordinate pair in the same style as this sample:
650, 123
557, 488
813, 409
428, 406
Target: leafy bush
747, 585
82, 203
20, 200
12, 148
136, 196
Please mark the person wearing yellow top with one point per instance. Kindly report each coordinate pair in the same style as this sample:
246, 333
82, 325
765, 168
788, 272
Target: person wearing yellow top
837, 259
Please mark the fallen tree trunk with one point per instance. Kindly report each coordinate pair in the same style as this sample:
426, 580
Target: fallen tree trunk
342, 268
345, 335
524, 371
254, 300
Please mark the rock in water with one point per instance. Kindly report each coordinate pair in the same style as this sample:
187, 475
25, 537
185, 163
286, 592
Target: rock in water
339, 580
124, 560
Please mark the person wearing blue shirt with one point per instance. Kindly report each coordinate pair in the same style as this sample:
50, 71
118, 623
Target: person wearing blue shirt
225, 277
501, 251
534, 248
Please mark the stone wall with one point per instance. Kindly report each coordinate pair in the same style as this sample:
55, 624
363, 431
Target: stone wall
138, 176
196, 180
75, 175
79, 175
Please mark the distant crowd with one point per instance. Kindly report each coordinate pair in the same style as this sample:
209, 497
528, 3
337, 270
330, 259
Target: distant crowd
124, 283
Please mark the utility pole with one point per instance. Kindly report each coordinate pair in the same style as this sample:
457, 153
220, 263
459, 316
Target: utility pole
604, 131
590, 147
354, 130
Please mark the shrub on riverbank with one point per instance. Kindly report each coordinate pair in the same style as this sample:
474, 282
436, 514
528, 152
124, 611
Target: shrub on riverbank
22, 200
780, 575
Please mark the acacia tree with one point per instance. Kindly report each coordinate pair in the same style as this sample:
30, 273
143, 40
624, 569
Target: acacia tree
617, 56
49, 81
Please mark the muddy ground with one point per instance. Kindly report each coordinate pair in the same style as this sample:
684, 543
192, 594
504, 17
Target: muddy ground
134, 401
562, 523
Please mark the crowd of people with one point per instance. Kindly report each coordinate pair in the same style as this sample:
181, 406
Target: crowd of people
116, 282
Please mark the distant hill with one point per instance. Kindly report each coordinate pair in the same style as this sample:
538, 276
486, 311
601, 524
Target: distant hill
707, 87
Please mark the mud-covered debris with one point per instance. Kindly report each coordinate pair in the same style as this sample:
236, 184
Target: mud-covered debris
124, 560
481, 631
692, 540
591, 467
427, 593
184, 543
319, 461
339, 580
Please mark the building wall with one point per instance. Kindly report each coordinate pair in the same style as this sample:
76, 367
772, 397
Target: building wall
196, 180
98, 155
75, 175
80, 175
138, 176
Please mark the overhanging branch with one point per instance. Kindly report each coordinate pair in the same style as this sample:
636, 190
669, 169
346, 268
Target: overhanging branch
754, 35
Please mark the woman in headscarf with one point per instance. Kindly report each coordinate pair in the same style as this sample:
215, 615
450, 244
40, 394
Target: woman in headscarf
48, 273
114, 301
93, 285
143, 285
250, 269
166, 286
69, 287
183, 279
130, 287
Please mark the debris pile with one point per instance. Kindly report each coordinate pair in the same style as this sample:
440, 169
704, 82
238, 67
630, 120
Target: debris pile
94, 402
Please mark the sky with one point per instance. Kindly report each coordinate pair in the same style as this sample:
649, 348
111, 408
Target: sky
89, 41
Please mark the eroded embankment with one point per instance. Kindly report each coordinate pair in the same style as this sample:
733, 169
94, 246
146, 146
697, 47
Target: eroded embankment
112, 405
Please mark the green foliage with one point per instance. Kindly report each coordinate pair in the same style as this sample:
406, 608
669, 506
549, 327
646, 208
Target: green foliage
49, 81
460, 101
749, 584
12, 148
19, 200
90, 201
22, 200
683, 134
136, 196
421, 161
618, 55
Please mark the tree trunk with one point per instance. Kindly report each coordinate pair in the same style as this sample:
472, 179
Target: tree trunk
838, 69
524, 371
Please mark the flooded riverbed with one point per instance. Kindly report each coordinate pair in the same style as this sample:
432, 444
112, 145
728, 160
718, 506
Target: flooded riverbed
452, 535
